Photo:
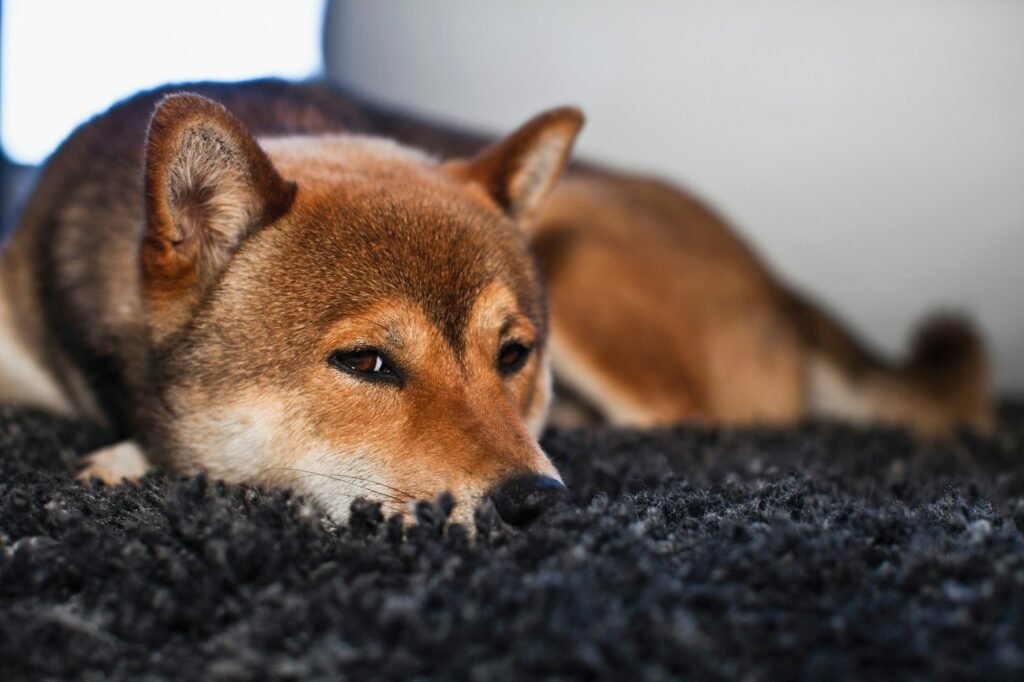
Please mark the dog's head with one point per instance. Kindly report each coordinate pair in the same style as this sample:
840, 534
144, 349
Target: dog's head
347, 316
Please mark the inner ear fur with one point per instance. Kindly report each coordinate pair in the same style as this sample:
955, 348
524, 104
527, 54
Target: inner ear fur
208, 184
519, 171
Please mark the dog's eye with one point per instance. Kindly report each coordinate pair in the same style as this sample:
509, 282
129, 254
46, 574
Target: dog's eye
365, 363
512, 356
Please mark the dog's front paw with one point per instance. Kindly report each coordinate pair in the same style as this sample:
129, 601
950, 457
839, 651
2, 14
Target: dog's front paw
114, 464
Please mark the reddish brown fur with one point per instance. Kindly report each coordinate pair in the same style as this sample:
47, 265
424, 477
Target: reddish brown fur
722, 340
199, 316
205, 317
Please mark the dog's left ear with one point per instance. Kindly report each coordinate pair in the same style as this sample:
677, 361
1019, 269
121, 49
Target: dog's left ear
519, 171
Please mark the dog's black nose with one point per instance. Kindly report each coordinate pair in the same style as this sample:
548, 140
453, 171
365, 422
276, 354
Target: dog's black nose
522, 499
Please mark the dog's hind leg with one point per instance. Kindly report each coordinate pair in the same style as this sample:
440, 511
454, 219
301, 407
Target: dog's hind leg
590, 387
114, 464
943, 383
754, 367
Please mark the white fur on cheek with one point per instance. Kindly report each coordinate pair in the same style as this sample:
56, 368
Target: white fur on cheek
235, 443
257, 442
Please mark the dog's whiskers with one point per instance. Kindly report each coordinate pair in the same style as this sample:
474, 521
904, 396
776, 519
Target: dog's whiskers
362, 483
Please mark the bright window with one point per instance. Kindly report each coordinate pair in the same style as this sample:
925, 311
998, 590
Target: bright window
63, 61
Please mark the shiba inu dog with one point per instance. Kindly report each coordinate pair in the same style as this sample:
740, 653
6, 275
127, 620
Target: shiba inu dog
278, 283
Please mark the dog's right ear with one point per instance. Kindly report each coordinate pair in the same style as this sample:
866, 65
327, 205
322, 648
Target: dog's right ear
208, 185
519, 171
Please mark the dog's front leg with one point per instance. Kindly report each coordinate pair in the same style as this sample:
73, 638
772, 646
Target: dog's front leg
124, 461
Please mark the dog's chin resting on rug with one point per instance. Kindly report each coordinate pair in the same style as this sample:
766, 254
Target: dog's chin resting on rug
821, 553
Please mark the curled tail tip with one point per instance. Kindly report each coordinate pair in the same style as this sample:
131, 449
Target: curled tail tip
949, 359
947, 343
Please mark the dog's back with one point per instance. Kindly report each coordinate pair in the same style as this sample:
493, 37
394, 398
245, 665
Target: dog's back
659, 312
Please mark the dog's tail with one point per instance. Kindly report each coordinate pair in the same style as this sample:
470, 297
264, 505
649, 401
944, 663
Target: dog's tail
942, 384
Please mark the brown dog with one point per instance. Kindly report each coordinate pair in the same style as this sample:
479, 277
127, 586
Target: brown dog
270, 288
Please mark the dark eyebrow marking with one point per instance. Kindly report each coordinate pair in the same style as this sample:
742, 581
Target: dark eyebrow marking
506, 325
512, 319
394, 338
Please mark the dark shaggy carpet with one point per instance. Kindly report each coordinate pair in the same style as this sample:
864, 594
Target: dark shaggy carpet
816, 553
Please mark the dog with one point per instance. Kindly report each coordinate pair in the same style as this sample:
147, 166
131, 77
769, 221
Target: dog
282, 284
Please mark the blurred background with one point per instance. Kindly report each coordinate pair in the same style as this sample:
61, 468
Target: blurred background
872, 151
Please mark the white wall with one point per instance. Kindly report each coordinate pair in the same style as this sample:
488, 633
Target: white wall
873, 150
